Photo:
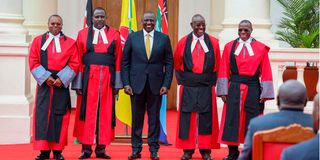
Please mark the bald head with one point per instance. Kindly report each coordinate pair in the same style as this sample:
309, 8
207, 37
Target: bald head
315, 114
292, 94
198, 24
196, 17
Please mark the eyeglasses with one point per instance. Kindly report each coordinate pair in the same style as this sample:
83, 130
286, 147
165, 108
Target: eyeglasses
99, 16
245, 30
55, 24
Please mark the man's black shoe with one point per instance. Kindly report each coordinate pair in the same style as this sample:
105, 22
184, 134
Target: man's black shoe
103, 155
231, 157
233, 153
186, 156
206, 156
228, 158
58, 156
154, 156
84, 155
43, 156
134, 155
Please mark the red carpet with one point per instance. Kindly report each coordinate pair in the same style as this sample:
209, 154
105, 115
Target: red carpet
119, 150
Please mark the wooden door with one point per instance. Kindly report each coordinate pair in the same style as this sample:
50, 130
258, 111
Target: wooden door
113, 8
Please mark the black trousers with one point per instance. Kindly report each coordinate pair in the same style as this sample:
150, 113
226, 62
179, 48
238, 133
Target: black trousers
100, 149
140, 103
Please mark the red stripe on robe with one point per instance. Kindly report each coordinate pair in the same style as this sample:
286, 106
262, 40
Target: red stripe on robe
84, 131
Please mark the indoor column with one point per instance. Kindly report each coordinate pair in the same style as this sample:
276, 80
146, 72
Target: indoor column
216, 16
36, 13
258, 12
16, 102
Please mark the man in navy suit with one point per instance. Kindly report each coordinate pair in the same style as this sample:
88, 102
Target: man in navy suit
308, 149
147, 68
291, 99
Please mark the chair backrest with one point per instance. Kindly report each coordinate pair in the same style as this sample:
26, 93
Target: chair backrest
268, 144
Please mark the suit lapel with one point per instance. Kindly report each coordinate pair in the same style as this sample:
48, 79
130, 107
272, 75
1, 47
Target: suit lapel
141, 39
155, 42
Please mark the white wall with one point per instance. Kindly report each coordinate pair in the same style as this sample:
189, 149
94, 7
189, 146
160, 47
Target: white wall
187, 8
72, 12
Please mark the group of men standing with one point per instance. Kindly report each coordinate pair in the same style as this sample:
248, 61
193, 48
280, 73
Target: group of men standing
98, 67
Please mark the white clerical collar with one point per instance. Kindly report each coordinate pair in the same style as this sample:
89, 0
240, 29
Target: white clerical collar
56, 42
96, 35
249, 40
195, 40
151, 33
246, 44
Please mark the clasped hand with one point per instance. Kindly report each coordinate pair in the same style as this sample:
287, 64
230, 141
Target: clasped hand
54, 82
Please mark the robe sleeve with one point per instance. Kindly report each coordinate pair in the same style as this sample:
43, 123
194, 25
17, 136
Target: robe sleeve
224, 73
39, 73
68, 73
178, 57
266, 77
118, 57
77, 81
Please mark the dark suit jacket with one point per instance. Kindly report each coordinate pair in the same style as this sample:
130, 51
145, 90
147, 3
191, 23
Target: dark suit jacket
270, 121
136, 69
307, 150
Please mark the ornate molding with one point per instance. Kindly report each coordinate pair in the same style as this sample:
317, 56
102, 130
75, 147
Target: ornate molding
14, 49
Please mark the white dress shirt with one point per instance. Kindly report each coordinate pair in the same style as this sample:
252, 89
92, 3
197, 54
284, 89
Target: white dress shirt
151, 34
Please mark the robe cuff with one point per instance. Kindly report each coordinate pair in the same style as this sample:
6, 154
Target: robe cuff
77, 82
222, 86
267, 90
40, 74
66, 75
118, 82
